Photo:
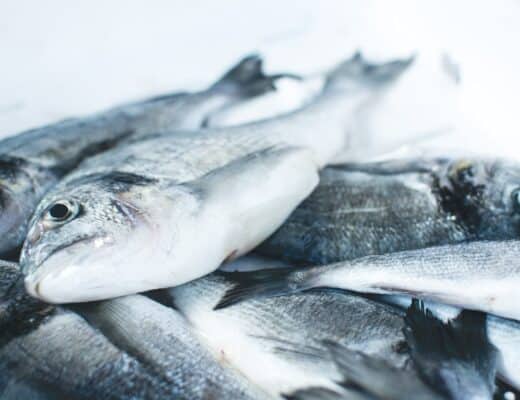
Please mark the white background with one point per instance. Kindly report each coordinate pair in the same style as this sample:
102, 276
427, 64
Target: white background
62, 58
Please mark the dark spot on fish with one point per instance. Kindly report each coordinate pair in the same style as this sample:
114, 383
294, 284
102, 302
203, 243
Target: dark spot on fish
460, 195
401, 347
10, 167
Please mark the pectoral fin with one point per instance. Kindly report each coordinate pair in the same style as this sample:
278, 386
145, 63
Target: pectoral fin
252, 196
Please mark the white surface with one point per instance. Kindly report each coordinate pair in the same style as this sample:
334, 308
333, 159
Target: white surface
61, 58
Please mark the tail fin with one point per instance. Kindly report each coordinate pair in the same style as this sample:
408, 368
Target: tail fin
261, 283
455, 357
248, 77
367, 377
357, 71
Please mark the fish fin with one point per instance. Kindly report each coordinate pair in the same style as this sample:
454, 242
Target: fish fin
376, 376
249, 79
266, 186
261, 283
359, 72
454, 355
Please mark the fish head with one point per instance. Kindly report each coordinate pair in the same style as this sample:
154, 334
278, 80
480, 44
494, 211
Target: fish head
21, 186
69, 256
486, 194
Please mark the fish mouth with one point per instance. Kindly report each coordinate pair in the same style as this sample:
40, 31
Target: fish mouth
52, 267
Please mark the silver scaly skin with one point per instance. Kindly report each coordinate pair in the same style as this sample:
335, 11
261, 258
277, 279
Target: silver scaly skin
162, 339
480, 275
33, 161
377, 208
277, 343
142, 350
167, 209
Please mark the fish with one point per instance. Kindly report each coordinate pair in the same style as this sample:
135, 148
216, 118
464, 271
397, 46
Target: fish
361, 209
503, 333
168, 209
455, 358
160, 337
278, 343
33, 161
479, 275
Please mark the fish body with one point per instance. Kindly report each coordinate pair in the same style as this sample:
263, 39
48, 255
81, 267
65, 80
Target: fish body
195, 198
162, 339
33, 161
377, 208
67, 358
139, 350
480, 275
278, 342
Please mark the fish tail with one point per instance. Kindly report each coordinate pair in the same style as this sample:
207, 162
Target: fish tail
365, 377
263, 283
248, 78
358, 71
460, 346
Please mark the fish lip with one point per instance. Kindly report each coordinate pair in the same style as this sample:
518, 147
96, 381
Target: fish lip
38, 272
59, 248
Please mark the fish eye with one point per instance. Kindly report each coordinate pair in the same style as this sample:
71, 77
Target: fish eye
62, 210
515, 198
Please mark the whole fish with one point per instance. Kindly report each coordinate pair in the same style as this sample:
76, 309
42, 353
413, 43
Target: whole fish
503, 333
277, 343
480, 275
167, 209
377, 208
33, 161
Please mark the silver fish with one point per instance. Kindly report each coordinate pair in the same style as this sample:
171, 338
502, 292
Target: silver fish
33, 161
481, 275
377, 208
503, 333
170, 208
277, 343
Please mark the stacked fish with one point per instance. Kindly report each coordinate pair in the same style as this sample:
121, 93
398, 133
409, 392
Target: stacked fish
134, 228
